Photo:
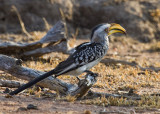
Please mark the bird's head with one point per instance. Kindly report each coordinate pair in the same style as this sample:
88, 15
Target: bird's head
105, 30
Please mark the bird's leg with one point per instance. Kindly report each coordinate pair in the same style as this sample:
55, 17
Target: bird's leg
87, 71
78, 79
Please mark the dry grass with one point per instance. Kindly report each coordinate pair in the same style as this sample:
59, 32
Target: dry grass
155, 12
47, 26
155, 46
68, 98
20, 20
146, 101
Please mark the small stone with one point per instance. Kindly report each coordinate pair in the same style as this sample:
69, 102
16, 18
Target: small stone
31, 106
87, 112
6, 90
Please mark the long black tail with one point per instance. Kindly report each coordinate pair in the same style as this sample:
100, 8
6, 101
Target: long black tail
31, 83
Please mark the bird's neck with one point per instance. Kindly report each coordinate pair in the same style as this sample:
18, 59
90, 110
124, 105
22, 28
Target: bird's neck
101, 39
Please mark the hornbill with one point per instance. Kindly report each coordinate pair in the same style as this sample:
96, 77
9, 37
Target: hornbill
84, 57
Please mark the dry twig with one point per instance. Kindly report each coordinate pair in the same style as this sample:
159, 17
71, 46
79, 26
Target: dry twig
9, 83
109, 61
55, 40
46, 24
21, 22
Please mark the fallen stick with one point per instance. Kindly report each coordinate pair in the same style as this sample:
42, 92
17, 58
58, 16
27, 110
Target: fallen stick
13, 67
108, 61
21, 22
9, 83
55, 39
92, 95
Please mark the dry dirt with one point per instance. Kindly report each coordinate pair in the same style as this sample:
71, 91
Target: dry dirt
18, 104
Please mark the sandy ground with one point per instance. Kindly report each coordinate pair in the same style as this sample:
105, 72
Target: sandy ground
18, 104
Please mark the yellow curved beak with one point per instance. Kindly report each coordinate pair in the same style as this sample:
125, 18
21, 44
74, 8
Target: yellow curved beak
114, 28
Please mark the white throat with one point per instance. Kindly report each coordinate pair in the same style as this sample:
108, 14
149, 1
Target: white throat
101, 38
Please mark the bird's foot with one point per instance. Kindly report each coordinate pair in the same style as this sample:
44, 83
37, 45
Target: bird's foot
90, 79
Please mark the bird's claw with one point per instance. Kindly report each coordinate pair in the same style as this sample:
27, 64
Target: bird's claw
89, 77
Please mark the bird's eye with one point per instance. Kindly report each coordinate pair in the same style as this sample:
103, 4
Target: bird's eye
106, 30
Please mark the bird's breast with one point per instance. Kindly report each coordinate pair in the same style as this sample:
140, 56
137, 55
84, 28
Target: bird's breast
87, 66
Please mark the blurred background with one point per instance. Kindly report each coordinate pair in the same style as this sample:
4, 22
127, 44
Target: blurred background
131, 66
141, 18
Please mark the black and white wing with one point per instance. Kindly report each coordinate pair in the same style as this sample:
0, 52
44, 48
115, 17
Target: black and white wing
84, 54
